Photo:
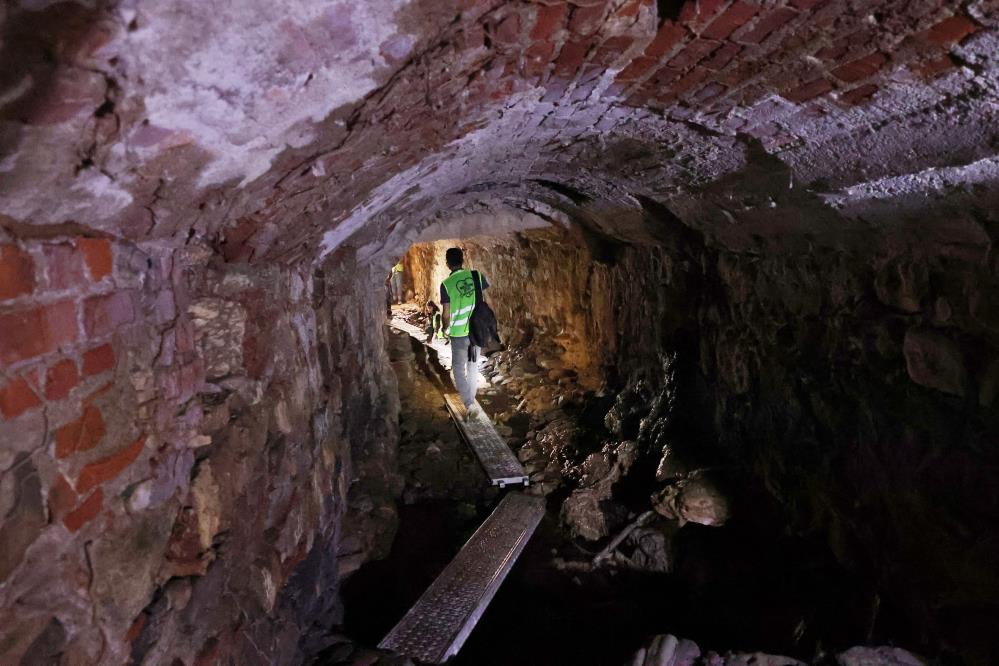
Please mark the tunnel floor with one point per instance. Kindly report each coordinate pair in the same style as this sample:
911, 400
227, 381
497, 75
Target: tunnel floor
549, 616
744, 587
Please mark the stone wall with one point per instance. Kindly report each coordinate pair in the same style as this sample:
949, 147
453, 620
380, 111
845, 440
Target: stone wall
100, 370
599, 306
856, 384
861, 389
539, 288
177, 391
176, 461
364, 395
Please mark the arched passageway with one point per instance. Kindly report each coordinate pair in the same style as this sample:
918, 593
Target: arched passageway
767, 225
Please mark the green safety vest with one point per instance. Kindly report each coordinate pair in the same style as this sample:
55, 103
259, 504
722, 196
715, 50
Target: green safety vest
460, 289
397, 268
436, 326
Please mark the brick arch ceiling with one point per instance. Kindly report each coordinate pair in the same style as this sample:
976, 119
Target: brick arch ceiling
279, 131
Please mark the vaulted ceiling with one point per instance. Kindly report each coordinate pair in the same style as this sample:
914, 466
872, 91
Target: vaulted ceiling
279, 131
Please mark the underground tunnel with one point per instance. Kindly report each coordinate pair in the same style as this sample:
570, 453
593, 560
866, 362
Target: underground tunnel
741, 254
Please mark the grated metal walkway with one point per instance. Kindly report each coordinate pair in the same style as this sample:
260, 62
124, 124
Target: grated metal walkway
436, 627
496, 458
498, 461
438, 624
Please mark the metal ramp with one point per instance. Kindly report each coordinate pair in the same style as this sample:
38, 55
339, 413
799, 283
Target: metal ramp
498, 461
496, 458
438, 624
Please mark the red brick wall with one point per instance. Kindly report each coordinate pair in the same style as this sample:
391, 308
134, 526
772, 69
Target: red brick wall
79, 318
60, 313
75, 430
157, 418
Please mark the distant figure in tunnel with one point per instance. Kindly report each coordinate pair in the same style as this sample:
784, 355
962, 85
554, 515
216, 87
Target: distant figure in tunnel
435, 326
458, 301
396, 281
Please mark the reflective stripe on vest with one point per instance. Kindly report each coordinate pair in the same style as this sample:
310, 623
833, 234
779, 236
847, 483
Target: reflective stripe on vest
460, 289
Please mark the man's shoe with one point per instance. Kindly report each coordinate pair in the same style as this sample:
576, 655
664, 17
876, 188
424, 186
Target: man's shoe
472, 412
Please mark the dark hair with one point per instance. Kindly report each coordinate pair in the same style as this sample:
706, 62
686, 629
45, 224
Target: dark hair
454, 257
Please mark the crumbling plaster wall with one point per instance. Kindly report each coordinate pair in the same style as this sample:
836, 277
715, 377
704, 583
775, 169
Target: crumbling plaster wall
160, 120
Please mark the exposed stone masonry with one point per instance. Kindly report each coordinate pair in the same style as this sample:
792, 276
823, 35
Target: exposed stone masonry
860, 387
519, 94
197, 416
177, 445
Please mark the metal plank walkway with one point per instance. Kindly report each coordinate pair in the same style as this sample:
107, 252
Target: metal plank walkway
436, 627
496, 458
498, 461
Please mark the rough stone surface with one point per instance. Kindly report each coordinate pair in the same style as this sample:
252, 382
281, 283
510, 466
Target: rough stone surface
160, 447
668, 650
797, 199
692, 500
853, 409
878, 656
591, 515
435, 461
935, 361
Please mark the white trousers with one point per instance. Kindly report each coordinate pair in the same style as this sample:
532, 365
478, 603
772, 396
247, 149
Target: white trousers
465, 372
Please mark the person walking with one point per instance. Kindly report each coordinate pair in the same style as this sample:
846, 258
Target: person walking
435, 326
396, 278
458, 301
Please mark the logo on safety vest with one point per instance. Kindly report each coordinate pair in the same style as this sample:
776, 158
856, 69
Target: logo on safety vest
465, 287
